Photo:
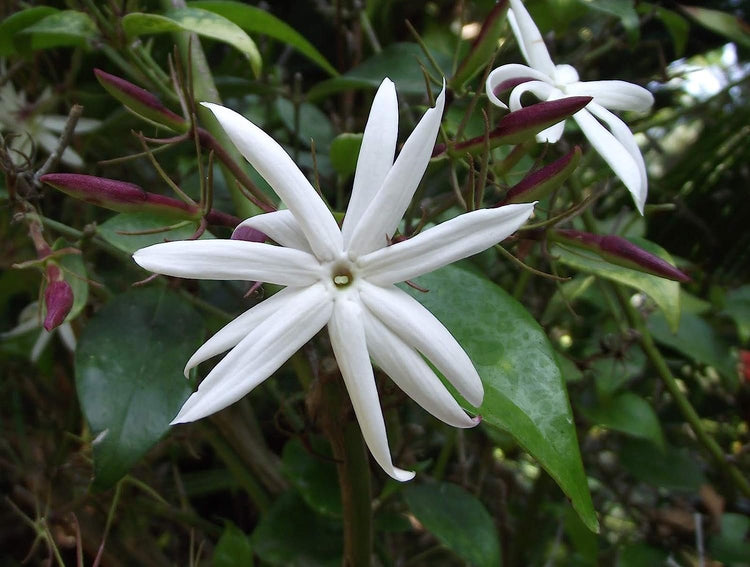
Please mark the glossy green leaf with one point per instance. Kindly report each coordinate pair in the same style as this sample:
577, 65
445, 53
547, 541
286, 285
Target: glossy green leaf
255, 20
737, 306
697, 340
583, 540
68, 27
195, 20
74, 272
676, 25
292, 535
640, 554
17, 22
398, 61
119, 230
129, 378
344, 153
313, 474
233, 549
312, 123
523, 388
627, 413
723, 23
670, 467
457, 519
665, 293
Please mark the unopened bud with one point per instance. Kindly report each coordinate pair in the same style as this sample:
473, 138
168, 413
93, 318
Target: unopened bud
58, 298
140, 101
544, 180
619, 251
249, 234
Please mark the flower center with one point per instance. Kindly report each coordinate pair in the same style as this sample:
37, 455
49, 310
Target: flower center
342, 276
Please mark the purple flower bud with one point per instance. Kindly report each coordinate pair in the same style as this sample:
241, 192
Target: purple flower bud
58, 297
520, 125
483, 46
620, 251
544, 180
248, 233
140, 101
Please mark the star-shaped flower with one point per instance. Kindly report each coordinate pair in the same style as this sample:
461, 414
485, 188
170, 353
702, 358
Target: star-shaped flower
548, 81
340, 278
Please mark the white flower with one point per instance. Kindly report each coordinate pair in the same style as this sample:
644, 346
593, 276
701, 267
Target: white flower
21, 118
548, 81
340, 278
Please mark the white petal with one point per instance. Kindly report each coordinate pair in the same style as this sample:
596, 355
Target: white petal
276, 167
50, 143
379, 221
510, 75
420, 329
57, 123
348, 341
540, 89
619, 150
67, 336
232, 333
616, 95
411, 373
529, 39
443, 244
280, 226
375, 155
230, 260
260, 353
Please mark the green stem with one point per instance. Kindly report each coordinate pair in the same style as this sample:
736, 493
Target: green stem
354, 476
683, 404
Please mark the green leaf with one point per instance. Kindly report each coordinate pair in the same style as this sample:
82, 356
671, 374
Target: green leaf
10, 26
621, 9
313, 124
129, 378
483, 47
640, 554
671, 468
523, 388
74, 272
344, 153
398, 61
676, 25
233, 549
737, 306
731, 546
457, 519
314, 475
627, 413
292, 535
68, 27
731, 27
665, 293
697, 341
204, 23
113, 230
255, 20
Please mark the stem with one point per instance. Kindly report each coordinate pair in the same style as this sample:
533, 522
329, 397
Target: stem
354, 476
683, 404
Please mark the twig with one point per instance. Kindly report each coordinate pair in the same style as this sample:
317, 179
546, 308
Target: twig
62, 143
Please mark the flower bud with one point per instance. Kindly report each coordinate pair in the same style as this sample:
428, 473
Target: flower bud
619, 251
519, 126
544, 180
249, 234
58, 298
483, 47
140, 101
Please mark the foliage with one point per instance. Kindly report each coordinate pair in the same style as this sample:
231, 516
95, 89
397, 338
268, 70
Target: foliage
615, 424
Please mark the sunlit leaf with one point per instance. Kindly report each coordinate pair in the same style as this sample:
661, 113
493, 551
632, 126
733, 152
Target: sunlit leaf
204, 23
524, 391
255, 20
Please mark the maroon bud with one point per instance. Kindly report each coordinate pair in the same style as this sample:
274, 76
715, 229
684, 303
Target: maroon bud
620, 251
58, 297
140, 101
249, 234
540, 183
